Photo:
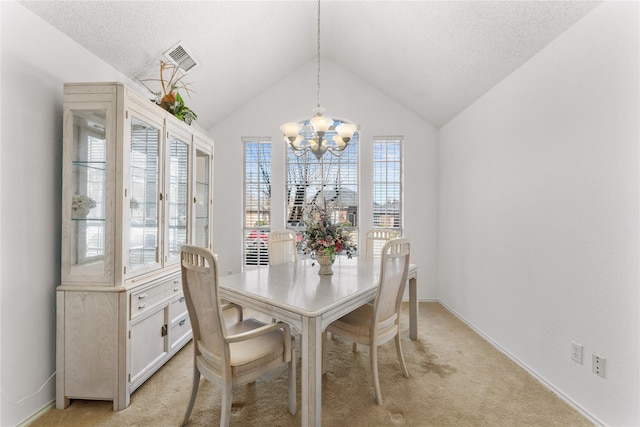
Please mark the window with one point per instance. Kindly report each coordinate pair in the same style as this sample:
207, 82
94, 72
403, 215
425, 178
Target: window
257, 200
95, 178
331, 181
387, 183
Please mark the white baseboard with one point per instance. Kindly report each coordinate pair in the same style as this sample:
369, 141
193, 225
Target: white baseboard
38, 414
533, 373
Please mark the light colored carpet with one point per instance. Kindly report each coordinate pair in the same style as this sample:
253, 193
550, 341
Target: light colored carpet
456, 379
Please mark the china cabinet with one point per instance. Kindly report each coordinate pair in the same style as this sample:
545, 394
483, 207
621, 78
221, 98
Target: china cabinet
136, 186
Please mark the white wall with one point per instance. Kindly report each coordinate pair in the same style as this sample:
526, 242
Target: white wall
539, 213
36, 60
344, 96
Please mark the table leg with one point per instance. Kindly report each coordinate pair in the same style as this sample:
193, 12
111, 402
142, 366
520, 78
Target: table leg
311, 372
413, 307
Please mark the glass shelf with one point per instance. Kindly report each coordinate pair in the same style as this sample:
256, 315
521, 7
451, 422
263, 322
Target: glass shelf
201, 201
89, 178
95, 165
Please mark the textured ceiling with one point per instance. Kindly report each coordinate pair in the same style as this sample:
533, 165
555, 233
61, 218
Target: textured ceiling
433, 57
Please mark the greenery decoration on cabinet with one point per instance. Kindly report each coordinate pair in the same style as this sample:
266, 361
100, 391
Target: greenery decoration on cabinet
169, 98
136, 187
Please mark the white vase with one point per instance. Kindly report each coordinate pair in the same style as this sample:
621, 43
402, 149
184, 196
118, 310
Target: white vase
325, 263
81, 212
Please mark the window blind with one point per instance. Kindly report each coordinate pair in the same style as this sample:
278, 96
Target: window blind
257, 201
387, 183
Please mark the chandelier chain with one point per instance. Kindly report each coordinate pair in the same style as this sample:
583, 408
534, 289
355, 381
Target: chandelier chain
318, 43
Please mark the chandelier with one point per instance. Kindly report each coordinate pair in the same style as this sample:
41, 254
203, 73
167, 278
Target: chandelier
318, 125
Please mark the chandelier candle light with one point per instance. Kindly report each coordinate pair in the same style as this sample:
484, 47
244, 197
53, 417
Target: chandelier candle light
320, 125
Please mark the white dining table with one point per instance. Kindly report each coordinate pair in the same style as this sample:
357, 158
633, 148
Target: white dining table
295, 293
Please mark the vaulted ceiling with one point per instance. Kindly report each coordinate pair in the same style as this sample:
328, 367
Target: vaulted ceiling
434, 57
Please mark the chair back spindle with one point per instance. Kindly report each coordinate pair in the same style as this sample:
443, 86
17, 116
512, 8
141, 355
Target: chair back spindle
282, 247
375, 240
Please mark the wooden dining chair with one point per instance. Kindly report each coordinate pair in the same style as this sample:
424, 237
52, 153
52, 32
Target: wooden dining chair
377, 323
233, 354
282, 247
375, 240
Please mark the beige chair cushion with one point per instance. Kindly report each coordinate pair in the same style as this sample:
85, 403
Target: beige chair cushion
253, 353
357, 322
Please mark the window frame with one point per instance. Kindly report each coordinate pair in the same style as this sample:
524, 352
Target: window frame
390, 189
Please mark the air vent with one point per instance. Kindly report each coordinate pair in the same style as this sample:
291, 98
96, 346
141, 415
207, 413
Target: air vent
178, 55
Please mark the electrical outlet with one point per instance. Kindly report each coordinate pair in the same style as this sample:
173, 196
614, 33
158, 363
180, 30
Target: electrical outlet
576, 352
598, 364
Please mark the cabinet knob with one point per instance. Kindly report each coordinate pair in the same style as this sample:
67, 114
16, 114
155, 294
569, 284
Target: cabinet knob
142, 296
182, 322
181, 299
141, 306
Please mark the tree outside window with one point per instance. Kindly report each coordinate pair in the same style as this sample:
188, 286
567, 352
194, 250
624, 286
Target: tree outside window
330, 182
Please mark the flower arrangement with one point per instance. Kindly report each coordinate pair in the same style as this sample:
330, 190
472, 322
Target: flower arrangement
322, 235
81, 205
170, 99
82, 202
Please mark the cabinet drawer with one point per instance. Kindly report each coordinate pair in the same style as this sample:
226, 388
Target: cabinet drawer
145, 299
178, 309
178, 330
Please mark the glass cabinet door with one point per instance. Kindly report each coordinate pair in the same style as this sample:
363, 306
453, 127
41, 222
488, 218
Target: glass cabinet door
144, 196
202, 197
177, 197
87, 245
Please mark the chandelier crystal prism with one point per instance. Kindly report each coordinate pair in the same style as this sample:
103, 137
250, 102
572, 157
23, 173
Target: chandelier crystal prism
320, 125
